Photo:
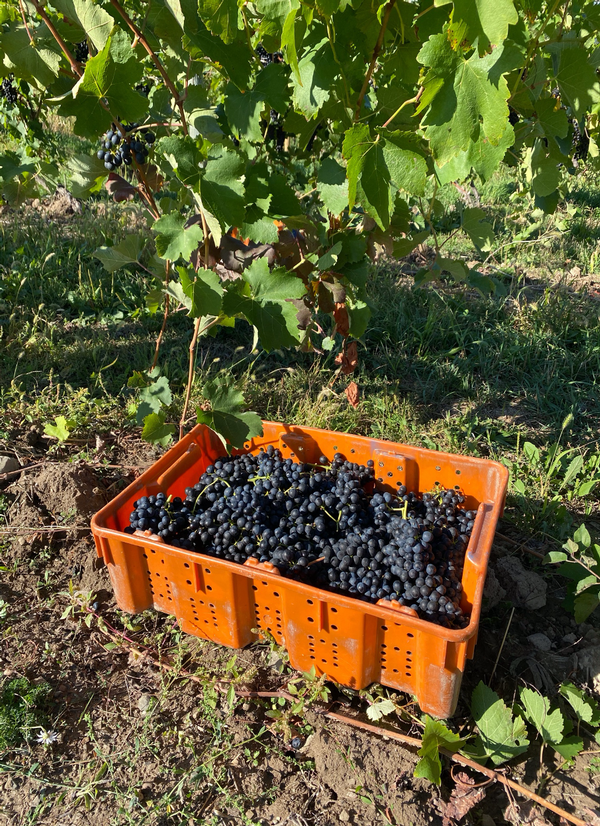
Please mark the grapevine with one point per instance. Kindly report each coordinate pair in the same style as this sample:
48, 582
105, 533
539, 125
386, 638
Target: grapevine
279, 147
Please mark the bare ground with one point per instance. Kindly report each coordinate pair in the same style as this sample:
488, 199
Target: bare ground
142, 744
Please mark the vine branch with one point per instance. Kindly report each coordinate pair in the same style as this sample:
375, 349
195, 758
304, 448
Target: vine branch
376, 51
155, 59
22, 8
65, 49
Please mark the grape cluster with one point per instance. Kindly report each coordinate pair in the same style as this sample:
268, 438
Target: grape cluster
116, 150
325, 525
275, 130
266, 57
580, 142
8, 91
82, 51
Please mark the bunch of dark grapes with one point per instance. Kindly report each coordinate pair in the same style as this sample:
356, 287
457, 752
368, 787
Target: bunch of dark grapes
82, 51
116, 150
266, 57
143, 89
8, 91
275, 130
324, 525
580, 142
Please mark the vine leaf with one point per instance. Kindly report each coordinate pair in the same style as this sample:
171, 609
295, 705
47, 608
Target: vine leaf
465, 98
243, 110
152, 399
109, 77
155, 429
333, 186
226, 415
317, 71
486, 21
382, 707
221, 17
501, 736
173, 240
577, 80
127, 251
435, 736
222, 188
86, 20
549, 724
232, 59
39, 65
205, 292
267, 307
586, 709
86, 174
477, 228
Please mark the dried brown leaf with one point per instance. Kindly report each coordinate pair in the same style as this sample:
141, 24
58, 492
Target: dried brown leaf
465, 795
525, 812
352, 393
348, 358
342, 321
119, 188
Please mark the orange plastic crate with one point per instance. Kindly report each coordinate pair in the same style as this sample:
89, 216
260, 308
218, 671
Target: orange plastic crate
354, 642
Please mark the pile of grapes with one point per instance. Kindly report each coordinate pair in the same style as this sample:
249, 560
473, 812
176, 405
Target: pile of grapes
116, 149
323, 524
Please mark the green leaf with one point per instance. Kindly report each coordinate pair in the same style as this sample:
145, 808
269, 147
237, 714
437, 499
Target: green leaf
243, 111
86, 175
61, 430
221, 17
109, 77
268, 308
126, 252
226, 416
407, 168
157, 394
501, 736
549, 724
183, 155
486, 21
156, 431
587, 582
584, 605
551, 118
380, 709
435, 736
543, 170
39, 65
582, 536
555, 556
333, 186
480, 156
233, 59
569, 747
272, 86
173, 240
477, 228
205, 292
585, 707
465, 99
288, 40
91, 19
222, 189
317, 71
329, 259
577, 81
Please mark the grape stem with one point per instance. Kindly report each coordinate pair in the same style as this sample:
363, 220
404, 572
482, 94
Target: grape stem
155, 59
25, 24
188, 390
164, 322
376, 51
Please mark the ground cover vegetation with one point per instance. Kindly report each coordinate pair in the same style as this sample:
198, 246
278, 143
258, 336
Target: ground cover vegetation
228, 115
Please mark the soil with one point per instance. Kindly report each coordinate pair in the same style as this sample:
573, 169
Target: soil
140, 744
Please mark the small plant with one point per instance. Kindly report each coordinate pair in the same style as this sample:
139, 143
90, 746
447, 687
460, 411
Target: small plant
580, 563
61, 430
23, 709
